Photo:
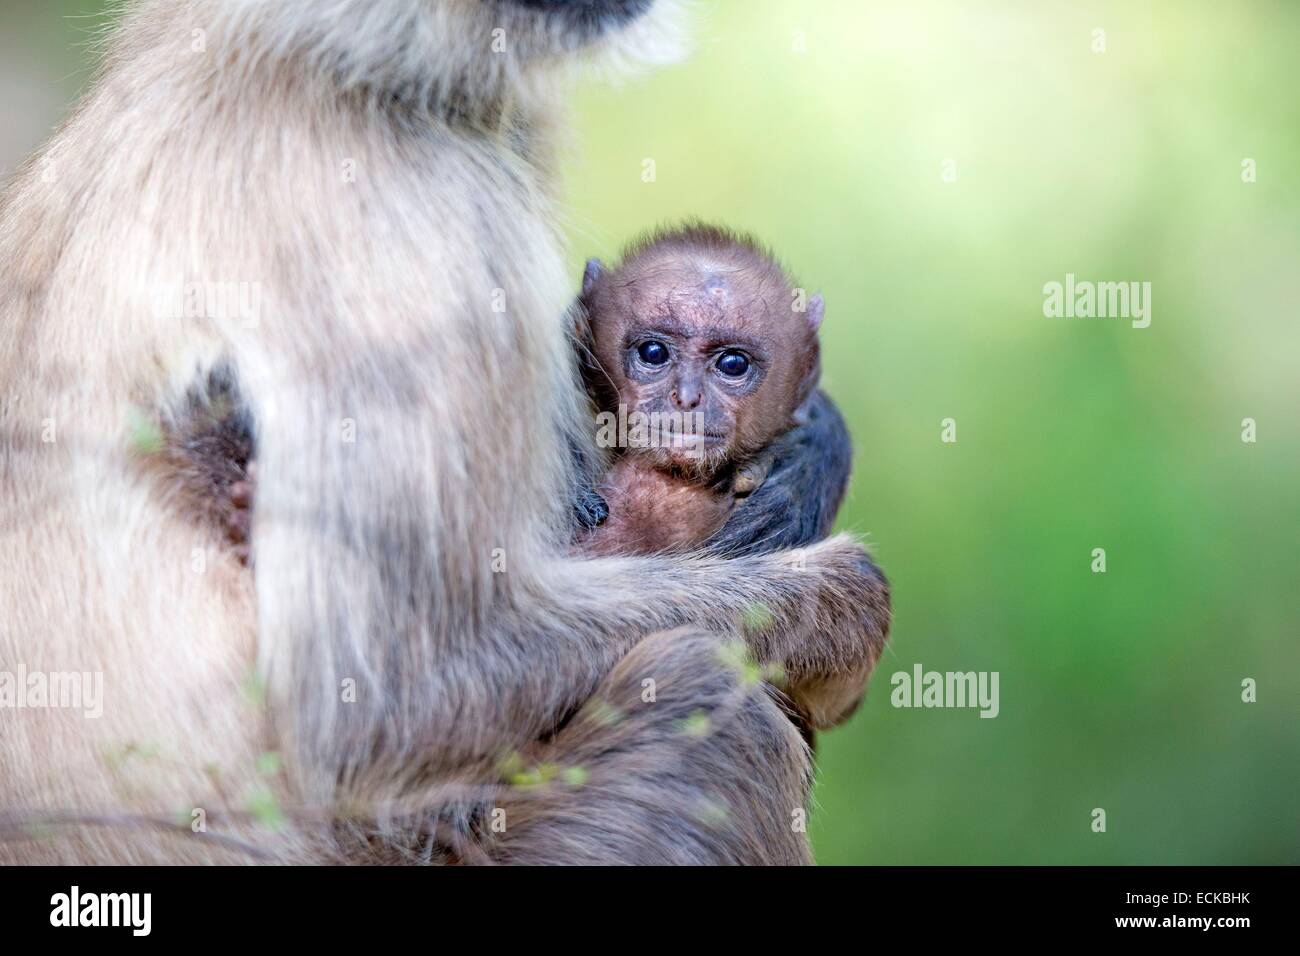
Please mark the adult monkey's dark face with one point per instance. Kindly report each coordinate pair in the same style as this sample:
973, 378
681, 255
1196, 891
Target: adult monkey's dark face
589, 18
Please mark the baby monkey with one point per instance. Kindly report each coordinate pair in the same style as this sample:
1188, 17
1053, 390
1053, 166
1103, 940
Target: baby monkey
700, 351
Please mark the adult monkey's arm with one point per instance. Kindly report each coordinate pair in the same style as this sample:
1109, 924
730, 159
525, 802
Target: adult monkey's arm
794, 507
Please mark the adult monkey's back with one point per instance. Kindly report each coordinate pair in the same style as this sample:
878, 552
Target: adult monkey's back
375, 180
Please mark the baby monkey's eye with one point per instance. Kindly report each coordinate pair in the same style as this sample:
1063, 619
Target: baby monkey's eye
653, 353
733, 363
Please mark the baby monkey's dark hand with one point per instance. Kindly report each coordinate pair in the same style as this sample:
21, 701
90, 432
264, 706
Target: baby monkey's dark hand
590, 508
751, 475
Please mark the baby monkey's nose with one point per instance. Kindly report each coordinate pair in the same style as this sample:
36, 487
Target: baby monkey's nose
687, 396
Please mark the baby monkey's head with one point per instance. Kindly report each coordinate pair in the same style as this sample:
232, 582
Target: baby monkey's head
702, 331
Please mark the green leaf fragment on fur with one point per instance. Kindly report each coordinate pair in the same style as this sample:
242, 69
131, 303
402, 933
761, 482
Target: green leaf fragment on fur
604, 713
254, 689
268, 764
265, 809
696, 725
756, 619
144, 437
510, 766
712, 813
116, 759
774, 673
541, 774
39, 831
738, 656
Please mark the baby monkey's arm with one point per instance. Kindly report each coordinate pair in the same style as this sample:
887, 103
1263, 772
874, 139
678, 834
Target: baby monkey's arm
800, 481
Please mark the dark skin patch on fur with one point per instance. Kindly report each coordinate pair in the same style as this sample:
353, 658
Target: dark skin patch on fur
208, 446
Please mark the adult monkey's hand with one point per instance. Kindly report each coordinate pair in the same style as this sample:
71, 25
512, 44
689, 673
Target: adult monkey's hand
795, 505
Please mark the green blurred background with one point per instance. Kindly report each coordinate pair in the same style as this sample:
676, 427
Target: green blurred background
824, 128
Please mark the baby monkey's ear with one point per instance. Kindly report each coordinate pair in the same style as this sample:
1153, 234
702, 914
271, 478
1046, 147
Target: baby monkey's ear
593, 273
815, 311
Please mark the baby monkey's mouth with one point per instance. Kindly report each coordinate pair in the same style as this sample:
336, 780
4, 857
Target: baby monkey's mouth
678, 433
681, 441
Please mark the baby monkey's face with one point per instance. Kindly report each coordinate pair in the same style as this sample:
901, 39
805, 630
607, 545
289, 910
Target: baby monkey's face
717, 356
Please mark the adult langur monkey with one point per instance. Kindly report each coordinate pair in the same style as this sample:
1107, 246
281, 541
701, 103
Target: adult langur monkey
366, 182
